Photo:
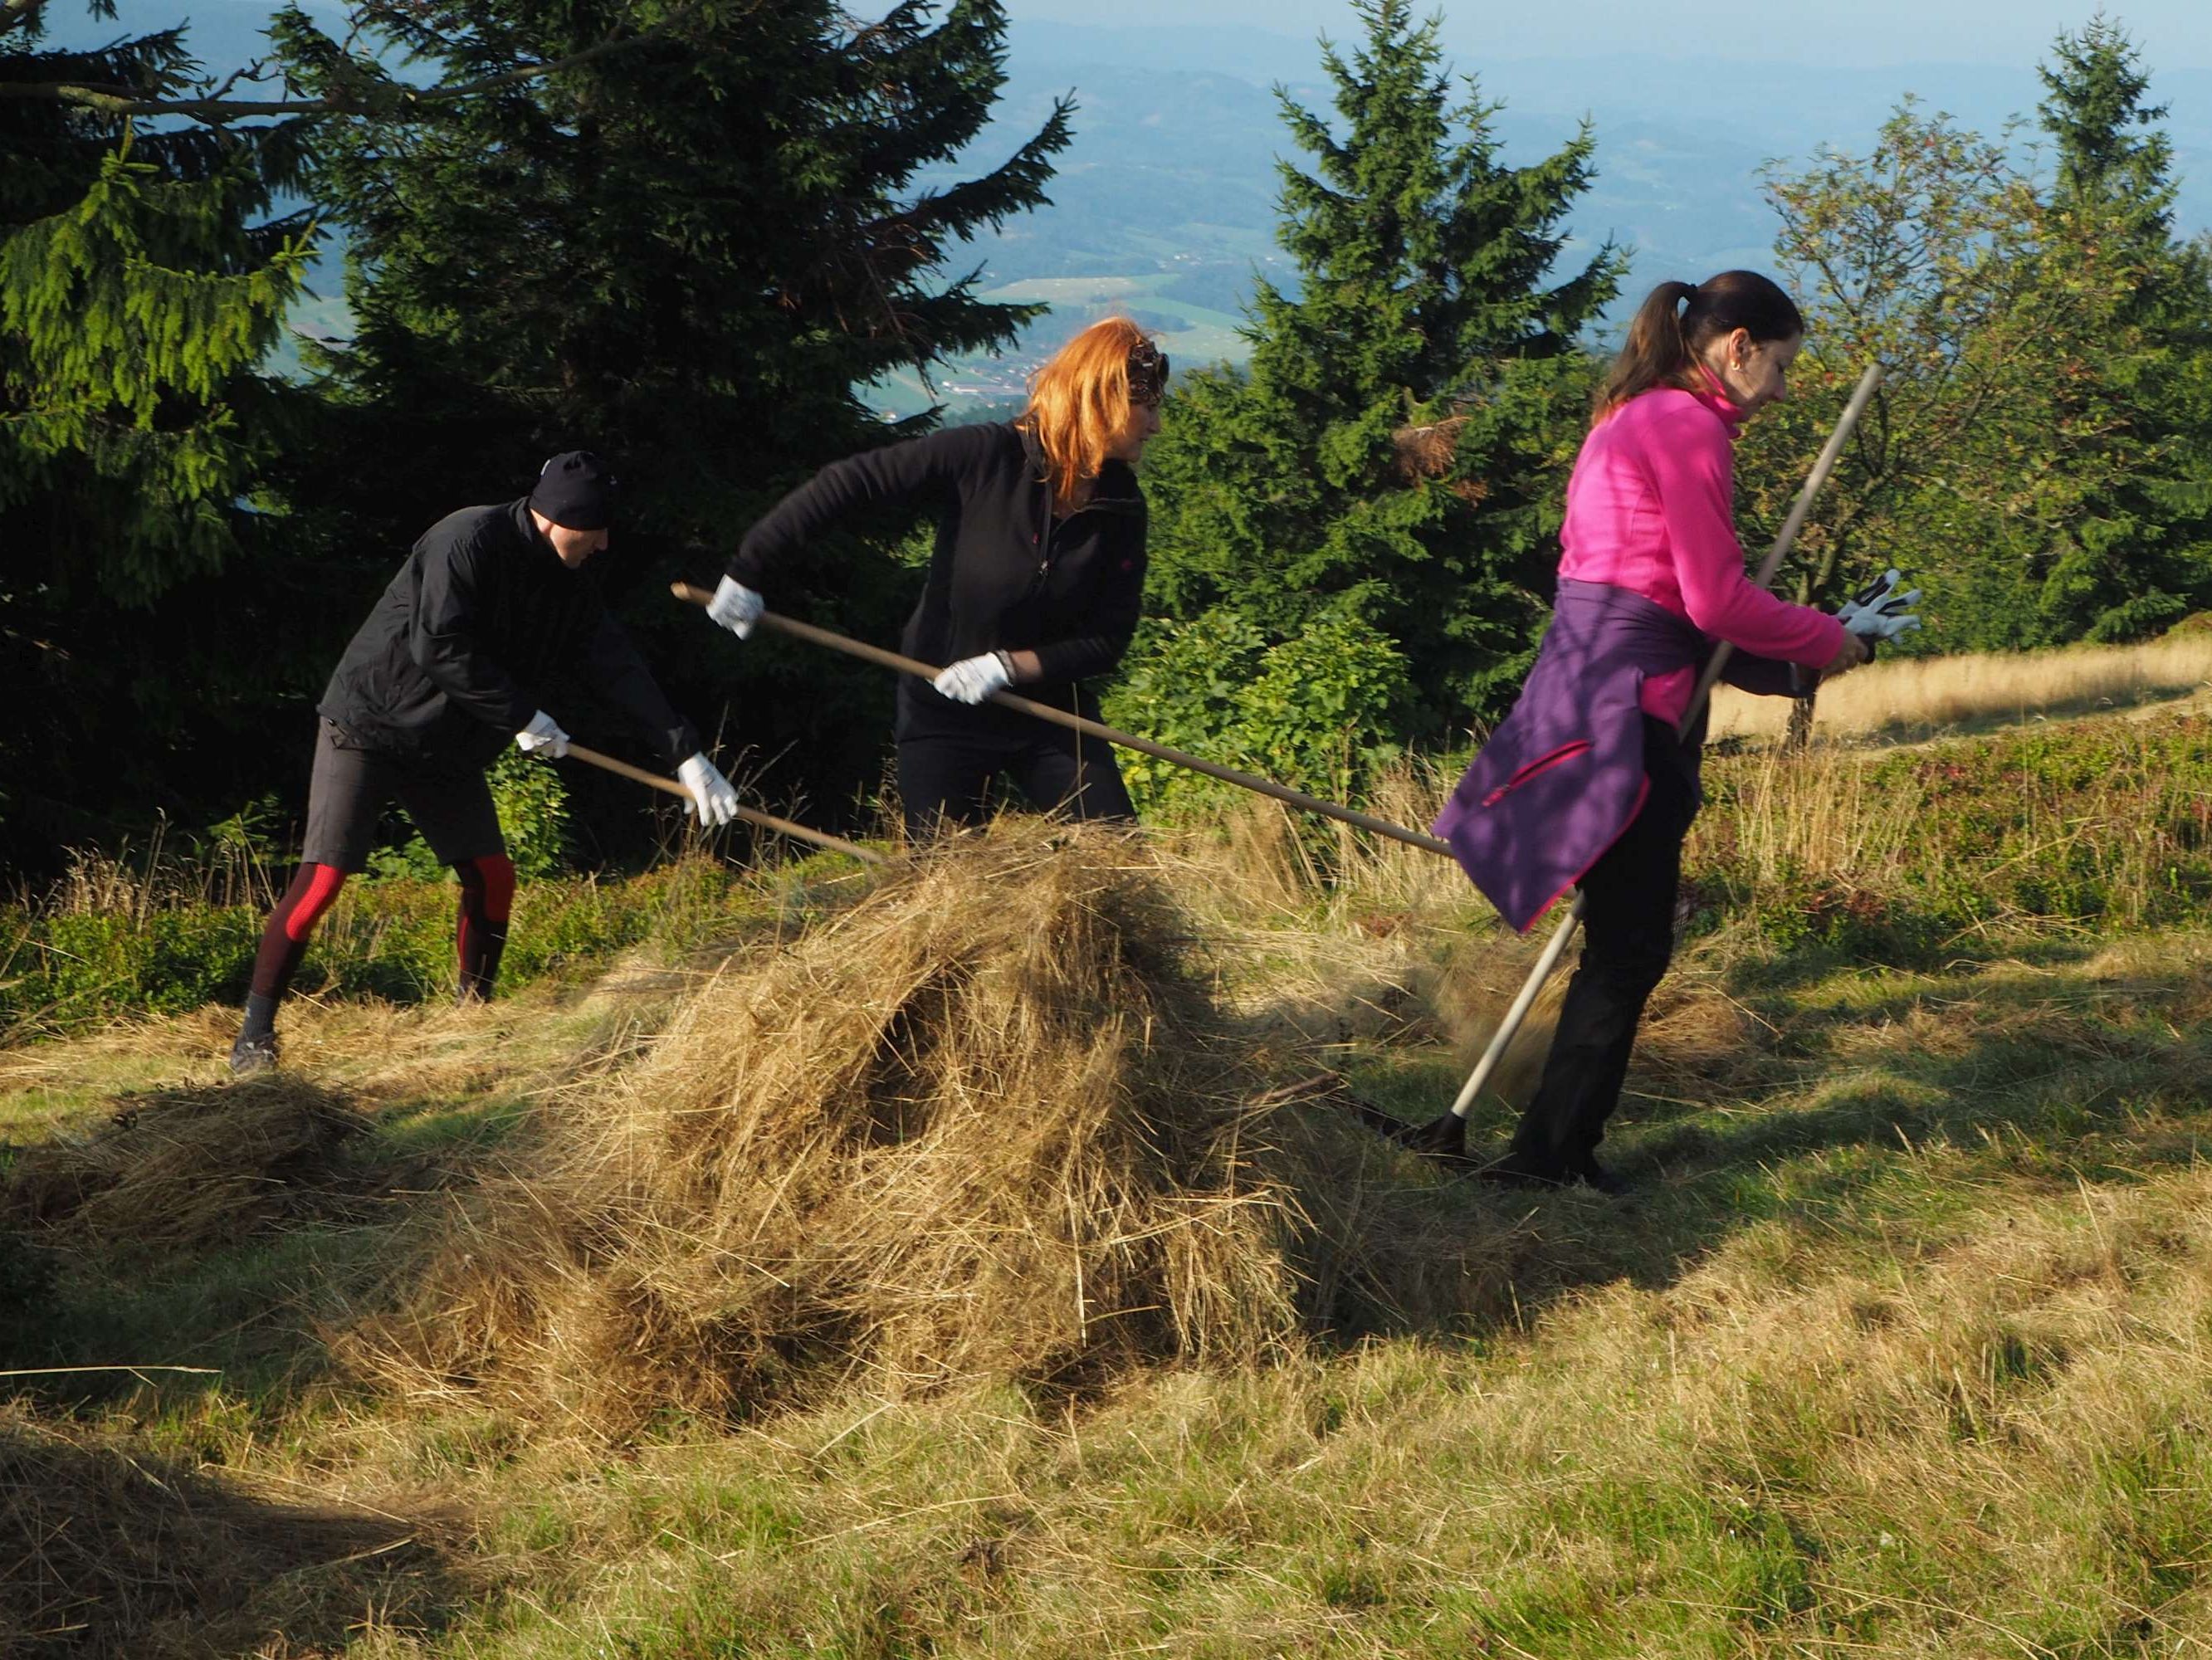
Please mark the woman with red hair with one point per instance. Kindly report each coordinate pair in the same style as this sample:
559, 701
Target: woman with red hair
1035, 581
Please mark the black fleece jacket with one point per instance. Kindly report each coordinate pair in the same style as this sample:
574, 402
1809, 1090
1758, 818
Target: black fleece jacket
1003, 576
481, 619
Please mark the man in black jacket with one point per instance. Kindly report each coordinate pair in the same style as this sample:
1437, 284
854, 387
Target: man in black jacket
492, 604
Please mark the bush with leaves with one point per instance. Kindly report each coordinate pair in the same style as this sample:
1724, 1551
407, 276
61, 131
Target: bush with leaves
1316, 712
533, 803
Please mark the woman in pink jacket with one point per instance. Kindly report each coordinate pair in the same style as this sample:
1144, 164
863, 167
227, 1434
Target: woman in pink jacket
1592, 780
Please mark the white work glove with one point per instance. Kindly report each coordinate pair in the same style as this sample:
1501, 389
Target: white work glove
972, 679
735, 606
1878, 611
542, 736
712, 798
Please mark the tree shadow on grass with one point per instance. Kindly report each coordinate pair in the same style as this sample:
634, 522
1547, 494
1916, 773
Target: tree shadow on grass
1816, 964
1766, 1110
206, 1226
115, 1550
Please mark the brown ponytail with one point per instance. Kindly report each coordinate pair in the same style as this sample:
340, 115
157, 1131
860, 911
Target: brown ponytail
1677, 320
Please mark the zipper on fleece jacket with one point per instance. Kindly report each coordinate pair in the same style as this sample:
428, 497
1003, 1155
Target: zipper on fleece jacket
1043, 538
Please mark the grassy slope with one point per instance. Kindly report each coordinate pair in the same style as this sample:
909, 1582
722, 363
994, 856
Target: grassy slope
1905, 1351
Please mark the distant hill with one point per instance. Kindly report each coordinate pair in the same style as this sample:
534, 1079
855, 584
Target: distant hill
1165, 202
1178, 133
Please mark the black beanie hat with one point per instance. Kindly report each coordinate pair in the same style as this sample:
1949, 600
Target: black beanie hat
574, 488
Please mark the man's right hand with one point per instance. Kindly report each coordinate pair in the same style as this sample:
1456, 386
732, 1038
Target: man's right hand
542, 736
735, 606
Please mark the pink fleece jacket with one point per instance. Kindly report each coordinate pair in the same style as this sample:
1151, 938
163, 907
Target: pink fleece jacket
1650, 507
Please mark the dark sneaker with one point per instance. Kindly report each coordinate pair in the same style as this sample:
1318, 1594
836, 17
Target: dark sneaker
254, 1052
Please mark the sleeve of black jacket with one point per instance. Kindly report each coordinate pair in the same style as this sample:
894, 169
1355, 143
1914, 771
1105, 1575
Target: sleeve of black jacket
895, 474
1763, 677
443, 639
1114, 625
621, 677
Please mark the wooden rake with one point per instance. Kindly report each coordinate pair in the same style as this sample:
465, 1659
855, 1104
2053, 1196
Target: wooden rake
767, 821
1444, 1139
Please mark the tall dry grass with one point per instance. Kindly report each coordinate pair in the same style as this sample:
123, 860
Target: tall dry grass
2104, 826
1916, 696
1335, 942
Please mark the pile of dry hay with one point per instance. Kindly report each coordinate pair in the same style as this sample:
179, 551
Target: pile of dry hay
985, 1123
190, 1168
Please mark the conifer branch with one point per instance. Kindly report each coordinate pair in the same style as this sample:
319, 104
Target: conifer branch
19, 14
392, 103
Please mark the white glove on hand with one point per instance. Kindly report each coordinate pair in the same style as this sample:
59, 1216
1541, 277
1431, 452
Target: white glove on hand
542, 736
735, 606
712, 798
1878, 611
972, 679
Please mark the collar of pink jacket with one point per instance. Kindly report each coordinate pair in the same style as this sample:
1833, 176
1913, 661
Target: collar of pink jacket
1715, 398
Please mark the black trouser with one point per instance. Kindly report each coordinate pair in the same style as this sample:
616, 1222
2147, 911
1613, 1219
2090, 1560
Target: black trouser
1628, 938
944, 779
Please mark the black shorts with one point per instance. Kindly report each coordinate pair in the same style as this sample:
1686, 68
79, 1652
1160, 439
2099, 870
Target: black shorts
350, 787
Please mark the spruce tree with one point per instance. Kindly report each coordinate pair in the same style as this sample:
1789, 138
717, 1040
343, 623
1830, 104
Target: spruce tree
692, 255
2135, 551
141, 281
1393, 453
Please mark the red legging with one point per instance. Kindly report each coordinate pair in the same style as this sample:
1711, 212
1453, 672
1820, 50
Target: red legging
487, 899
284, 940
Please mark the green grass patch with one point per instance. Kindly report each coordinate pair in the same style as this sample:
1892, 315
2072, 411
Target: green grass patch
165, 951
1902, 1350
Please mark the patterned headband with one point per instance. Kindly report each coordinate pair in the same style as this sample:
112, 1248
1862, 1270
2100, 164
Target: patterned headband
1148, 374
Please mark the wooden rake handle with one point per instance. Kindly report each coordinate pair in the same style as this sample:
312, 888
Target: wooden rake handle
751, 816
892, 660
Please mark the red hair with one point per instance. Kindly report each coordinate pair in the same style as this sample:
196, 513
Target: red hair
1080, 400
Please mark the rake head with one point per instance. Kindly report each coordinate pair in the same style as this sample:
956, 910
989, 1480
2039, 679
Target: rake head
1443, 1139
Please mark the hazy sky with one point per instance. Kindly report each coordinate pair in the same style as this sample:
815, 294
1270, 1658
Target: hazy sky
2173, 34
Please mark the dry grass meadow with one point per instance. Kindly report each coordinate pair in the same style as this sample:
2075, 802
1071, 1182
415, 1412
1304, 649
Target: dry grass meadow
965, 1262
1921, 696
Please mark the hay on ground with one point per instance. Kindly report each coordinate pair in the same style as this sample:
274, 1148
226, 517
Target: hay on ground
983, 1124
191, 1169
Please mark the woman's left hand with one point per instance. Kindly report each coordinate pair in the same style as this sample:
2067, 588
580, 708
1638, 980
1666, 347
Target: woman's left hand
972, 679
1853, 652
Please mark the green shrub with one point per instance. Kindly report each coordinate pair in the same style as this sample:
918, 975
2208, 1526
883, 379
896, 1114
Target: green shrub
533, 803
1313, 712
393, 938
2103, 826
